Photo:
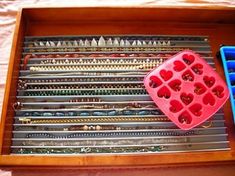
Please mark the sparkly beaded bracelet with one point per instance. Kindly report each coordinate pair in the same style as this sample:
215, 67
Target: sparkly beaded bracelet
90, 150
105, 142
93, 67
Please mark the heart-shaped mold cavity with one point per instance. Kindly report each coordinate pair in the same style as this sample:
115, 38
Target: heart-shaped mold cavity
218, 91
198, 69
176, 106
188, 59
164, 92
175, 85
188, 76
196, 109
209, 81
209, 99
186, 98
179, 66
199, 88
166, 75
154, 82
185, 118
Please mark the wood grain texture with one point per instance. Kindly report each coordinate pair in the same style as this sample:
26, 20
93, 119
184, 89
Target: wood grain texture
223, 15
205, 170
10, 92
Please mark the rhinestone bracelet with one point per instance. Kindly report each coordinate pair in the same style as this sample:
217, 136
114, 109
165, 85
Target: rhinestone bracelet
90, 150
106, 142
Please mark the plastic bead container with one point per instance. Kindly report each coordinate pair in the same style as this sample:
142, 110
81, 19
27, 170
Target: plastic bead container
228, 58
186, 89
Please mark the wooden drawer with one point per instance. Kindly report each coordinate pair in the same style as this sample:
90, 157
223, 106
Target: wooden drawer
217, 24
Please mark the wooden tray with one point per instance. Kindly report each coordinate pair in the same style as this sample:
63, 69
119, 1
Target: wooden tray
217, 23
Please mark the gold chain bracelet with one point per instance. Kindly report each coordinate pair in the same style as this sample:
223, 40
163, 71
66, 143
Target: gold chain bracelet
26, 120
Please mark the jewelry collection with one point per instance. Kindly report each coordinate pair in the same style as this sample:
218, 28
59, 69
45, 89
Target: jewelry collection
85, 94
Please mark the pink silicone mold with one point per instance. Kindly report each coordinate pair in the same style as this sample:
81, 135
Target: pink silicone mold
186, 89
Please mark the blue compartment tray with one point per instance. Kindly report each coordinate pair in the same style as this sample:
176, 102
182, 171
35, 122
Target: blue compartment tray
228, 59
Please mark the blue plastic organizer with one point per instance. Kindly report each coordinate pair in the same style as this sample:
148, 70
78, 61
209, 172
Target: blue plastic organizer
228, 58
